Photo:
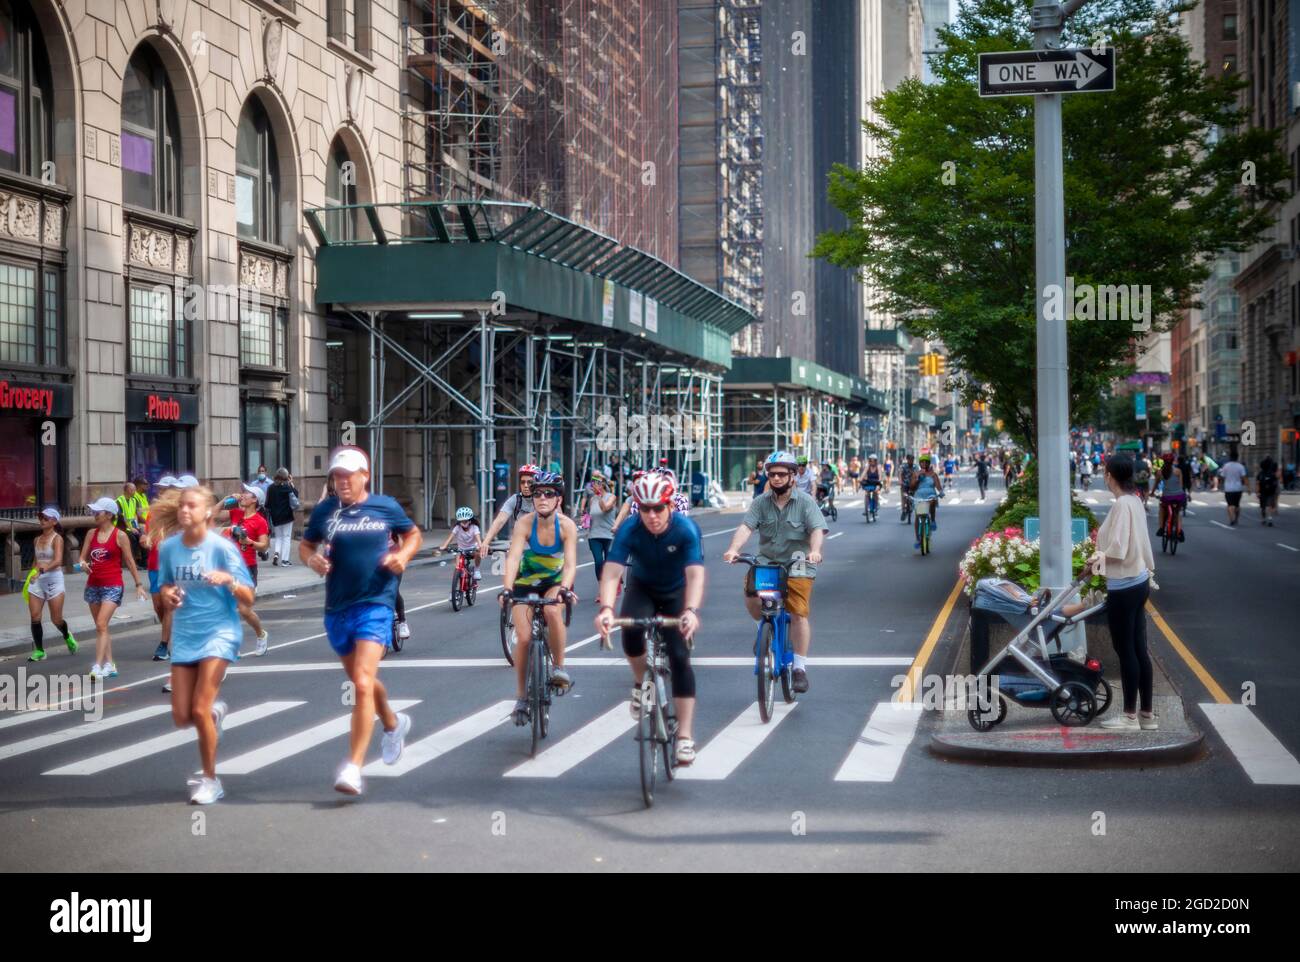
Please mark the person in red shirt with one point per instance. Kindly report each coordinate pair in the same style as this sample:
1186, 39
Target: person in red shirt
252, 534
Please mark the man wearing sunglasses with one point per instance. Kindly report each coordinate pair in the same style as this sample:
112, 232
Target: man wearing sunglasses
542, 560
788, 523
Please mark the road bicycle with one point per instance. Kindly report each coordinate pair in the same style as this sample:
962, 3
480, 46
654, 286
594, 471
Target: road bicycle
656, 730
773, 653
539, 687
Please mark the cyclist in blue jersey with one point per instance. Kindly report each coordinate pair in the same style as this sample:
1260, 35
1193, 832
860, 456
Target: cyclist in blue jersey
661, 551
926, 485
361, 569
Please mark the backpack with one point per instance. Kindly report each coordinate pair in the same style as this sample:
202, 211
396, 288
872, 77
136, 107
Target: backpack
1143, 472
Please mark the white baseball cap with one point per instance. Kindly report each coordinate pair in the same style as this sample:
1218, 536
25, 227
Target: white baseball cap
349, 459
256, 492
167, 481
187, 481
103, 504
52, 513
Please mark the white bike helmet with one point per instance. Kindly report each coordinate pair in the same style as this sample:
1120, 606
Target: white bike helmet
464, 514
653, 488
781, 457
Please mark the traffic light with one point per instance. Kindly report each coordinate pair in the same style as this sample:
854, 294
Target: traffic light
932, 365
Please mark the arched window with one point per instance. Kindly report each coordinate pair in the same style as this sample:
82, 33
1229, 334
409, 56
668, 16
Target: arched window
257, 176
151, 140
26, 92
340, 191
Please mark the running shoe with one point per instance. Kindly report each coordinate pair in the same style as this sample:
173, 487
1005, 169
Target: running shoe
635, 705
37, 655
160, 653
394, 740
403, 630
96, 671
1122, 722
167, 687
219, 709
262, 641
208, 791
1148, 723
71, 643
109, 670
349, 780
560, 679
799, 680
520, 713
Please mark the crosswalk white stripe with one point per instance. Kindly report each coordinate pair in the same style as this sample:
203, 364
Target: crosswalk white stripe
1287, 546
578, 747
879, 750
731, 746
956, 499
1222, 525
108, 723
152, 746
609, 661
22, 717
442, 741
294, 744
1264, 758
1199, 503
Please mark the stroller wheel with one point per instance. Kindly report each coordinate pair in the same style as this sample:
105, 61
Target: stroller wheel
1103, 694
983, 721
1073, 704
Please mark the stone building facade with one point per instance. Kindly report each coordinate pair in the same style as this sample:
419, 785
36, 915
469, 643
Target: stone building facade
156, 276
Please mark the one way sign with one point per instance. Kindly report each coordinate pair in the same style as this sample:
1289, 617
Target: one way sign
1046, 72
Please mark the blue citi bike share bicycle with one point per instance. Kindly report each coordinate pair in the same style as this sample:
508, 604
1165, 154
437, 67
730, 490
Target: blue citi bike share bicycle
773, 654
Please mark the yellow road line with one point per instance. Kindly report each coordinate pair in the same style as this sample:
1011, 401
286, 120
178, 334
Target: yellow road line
907, 691
1213, 687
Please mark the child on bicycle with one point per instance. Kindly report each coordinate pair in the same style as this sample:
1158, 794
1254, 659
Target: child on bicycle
467, 536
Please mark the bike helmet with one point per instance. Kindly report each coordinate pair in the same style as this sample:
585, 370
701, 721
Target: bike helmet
654, 488
667, 473
637, 475
464, 514
548, 479
802, 459
780, 457
923, 459
529, 469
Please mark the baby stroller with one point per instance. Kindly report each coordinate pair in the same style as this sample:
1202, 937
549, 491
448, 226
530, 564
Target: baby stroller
1026, 672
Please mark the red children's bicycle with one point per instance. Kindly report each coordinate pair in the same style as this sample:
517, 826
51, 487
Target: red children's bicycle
464, 586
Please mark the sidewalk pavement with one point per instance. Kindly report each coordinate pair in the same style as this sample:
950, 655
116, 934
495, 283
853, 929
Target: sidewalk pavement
273, 582
1031, 736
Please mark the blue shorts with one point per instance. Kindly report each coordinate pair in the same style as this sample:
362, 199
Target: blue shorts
100, 593
153, 583
361, 622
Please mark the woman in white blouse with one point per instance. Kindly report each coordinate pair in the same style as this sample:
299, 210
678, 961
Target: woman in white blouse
1124, 559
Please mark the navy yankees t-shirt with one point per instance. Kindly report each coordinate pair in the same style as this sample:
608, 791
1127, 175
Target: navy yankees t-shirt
356, 538
658, 563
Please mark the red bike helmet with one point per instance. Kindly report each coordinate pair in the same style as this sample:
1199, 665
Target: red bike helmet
530, 469
653, 488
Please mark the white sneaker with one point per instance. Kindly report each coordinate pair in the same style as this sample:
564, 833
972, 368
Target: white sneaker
1149, 723
96, 671
394, 740
108, 670
478, 575
207, 792
1122, 722
219, 709
167, 687
262, 640
403, 630
634, 706
349, 780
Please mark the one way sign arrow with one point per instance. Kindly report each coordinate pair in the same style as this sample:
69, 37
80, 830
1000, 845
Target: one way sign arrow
1021, 72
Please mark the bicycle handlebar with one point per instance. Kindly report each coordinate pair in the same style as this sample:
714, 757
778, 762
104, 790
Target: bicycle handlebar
656, 621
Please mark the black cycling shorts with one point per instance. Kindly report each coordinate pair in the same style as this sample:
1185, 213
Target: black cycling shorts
640, 602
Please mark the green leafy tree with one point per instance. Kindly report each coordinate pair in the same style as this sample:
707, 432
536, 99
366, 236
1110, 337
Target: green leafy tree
1159, 175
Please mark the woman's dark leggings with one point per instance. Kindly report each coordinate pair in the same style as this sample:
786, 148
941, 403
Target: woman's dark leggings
1126, 616
599, 552
640, 603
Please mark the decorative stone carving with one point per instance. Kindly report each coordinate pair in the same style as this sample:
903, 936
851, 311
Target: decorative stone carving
355, 82
53, 226
273, 48
281, 279
150, 248
114, 150
212, 184
92, 147
182, 255
19, 217
256, 272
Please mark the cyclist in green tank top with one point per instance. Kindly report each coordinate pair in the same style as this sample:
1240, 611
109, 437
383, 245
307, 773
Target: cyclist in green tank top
542, 560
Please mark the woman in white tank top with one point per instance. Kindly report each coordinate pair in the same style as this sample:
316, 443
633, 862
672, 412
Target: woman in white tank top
45, 585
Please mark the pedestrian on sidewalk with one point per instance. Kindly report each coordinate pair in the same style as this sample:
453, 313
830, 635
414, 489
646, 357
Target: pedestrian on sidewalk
204, 583
757, 478
153, 537
103, 553
1123, 557
249, 530
282, 504
361, 572
45, 586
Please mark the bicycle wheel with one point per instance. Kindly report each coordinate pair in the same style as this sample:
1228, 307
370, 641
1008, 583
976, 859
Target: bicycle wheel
397, 638
925, 536
648, 750
536, 680
471, 593
1103, 695
456, 596
766, 672
669, 719
507, 634
1172, 532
